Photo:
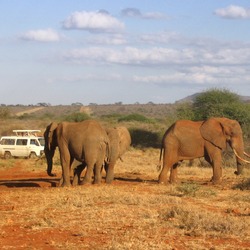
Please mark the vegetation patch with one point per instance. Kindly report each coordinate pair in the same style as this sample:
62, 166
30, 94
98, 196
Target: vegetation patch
136, 117
197, 222
77, 117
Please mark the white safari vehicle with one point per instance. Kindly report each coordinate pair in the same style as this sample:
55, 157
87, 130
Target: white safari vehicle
25, 143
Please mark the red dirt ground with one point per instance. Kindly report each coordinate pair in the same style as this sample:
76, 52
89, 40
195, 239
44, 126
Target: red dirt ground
18, 236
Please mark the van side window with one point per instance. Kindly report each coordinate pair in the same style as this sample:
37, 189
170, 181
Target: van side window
21, 142
8, 142
34, 142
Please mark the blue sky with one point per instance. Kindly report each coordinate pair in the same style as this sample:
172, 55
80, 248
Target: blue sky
62, 52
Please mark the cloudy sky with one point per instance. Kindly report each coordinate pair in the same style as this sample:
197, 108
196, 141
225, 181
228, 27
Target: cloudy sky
62, 52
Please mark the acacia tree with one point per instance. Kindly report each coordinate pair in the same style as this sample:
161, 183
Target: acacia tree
218, 103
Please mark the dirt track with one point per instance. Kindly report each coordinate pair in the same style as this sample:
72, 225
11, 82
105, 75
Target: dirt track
134, 212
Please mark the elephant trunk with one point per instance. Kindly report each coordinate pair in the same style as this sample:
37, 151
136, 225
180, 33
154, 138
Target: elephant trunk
49, 156
238, 149
50, 146
239, 169
109, 166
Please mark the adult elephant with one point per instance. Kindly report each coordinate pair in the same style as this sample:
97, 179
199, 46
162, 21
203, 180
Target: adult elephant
120, 141
186, 140
86, 142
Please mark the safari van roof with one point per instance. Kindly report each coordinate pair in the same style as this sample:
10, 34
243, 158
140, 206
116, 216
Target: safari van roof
29, 132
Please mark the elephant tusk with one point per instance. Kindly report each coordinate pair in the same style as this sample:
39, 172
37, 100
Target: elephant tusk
246, 154
240, 157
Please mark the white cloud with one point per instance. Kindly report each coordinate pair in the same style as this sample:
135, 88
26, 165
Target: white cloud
134, 12
161, 56
42, 35
233, 12
93, 21
111, 39
199, 75
162, 38
132, 55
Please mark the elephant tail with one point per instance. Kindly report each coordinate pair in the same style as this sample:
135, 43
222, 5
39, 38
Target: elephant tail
108, 151
158, 167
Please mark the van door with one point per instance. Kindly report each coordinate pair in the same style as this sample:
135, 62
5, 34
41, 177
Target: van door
35, 147
22, 149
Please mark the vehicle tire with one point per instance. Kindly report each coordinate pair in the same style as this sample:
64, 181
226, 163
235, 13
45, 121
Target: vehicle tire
32, 155
7, 155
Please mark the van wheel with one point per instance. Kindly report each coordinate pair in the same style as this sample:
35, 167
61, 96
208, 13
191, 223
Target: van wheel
33, 155
7, 155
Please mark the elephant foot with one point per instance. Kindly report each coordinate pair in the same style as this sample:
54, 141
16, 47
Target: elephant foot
238, 172
96, 182
75, 182
216, 181
163, 182
66, 185
108, 181
85, 182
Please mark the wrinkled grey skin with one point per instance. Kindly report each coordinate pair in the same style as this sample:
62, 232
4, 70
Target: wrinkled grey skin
120, 141
86, 142
186, 140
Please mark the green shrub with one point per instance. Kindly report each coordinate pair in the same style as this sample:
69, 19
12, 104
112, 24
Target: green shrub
185, 111
135, 117
142, 138
77, 117
220, 103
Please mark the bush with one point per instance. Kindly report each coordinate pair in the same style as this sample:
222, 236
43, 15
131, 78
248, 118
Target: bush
220, 103
142, 138
135, 117
4, 113
77, 117
185, 111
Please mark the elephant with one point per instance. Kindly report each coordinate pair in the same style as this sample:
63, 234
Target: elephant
186, 140
120, 141
85, 141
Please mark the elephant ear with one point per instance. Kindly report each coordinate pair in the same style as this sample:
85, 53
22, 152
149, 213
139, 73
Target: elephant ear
215, 131
52, 128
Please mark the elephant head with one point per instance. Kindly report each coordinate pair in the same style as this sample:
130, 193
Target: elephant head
50, 145
220, 131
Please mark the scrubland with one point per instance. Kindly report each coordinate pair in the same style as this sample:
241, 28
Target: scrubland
134, 212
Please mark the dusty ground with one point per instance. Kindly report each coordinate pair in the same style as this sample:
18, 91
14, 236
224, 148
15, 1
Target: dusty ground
134, 212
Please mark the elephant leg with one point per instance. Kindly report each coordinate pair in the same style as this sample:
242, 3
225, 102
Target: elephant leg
109, 172
77, 174
217, 173
97, 173
216, 162
169, 159
173, 173
88, 175
66, 163
60, 182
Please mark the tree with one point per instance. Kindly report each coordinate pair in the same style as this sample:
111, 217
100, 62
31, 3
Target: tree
185, 111
218, 103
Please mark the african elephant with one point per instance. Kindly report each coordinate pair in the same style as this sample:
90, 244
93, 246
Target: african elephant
186, 140
85, 141
120, 141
